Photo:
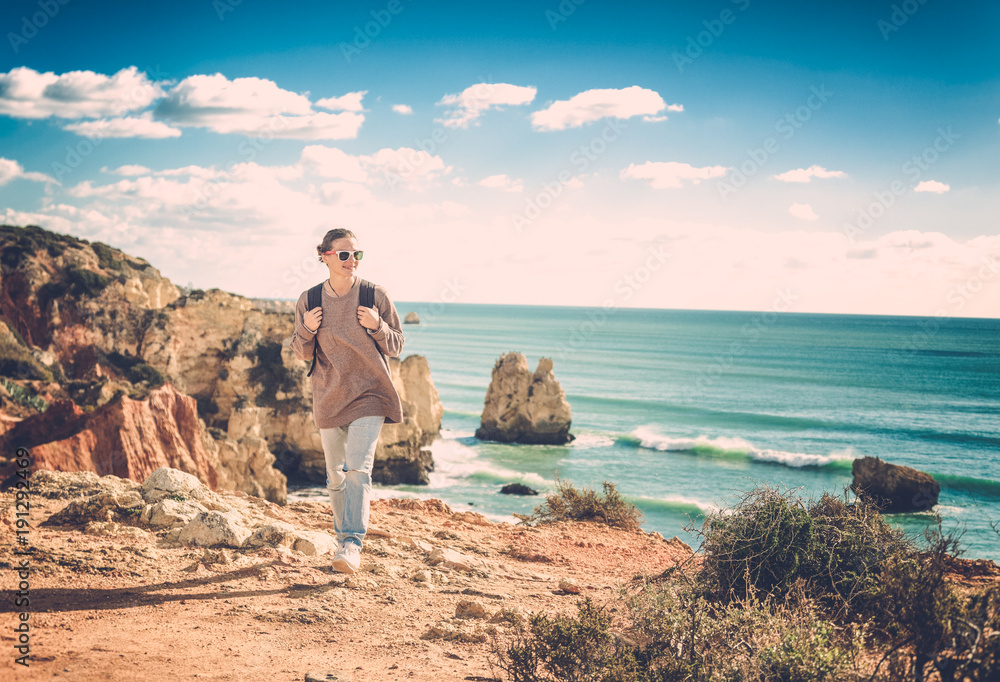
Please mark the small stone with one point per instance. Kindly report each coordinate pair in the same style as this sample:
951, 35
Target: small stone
356, 582
313, 543
470, 609
274, 534
569, 585
514, 615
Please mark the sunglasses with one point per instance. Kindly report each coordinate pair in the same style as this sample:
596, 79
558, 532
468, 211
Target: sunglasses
344, 255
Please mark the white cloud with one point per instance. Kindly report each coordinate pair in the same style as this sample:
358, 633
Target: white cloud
12, 170
467, 106
592, 105
346, 193
503, 182
404, 109
807, 174
932, 186
130, 126
349, 102
253, 229
671, 174
330, 162
803, 211
26, 93
252, 106
414, 168
130, 169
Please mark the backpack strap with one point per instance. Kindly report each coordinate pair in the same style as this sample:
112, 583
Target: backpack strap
314, 299
366, 297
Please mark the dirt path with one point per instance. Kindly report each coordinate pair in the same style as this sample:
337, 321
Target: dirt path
127, 607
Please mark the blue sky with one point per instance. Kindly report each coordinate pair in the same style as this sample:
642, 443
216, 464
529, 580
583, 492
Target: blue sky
720, 152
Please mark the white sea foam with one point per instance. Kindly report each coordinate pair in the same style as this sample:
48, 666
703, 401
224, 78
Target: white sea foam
592, 440
680, 499
455, 462
650, 439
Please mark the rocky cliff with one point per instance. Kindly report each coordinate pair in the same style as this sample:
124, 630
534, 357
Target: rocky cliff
84, 326
525, 407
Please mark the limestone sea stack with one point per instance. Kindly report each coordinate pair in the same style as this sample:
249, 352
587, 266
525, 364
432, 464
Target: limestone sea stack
522, 407
411, 318
894, 488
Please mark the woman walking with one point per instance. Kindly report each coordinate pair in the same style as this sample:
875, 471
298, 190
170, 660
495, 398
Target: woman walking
352, 387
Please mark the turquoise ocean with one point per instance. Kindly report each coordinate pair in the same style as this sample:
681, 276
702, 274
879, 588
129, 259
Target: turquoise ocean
685, 410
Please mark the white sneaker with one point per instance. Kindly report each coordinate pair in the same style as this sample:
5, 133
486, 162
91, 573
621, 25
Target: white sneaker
348, 558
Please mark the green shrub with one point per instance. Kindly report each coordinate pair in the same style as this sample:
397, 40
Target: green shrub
83, 282
20, 243
671, 632
769, 540
760, 546
16, 360
570, 504
24, 395
803, 655
106, 257
784, 591
134, 369
577, 649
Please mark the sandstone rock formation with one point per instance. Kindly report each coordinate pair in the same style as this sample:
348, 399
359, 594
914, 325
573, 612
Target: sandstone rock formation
411, 318
127, 438
523, 407
86, 323
894, 488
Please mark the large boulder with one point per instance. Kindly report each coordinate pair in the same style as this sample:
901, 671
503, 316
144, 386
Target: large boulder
894, 488
522, 407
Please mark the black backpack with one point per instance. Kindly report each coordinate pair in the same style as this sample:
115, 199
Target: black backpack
366, 297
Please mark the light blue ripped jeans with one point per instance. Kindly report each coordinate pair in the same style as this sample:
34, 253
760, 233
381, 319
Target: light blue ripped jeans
350, 454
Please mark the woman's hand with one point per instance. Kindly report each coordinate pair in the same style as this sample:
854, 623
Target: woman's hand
312, 319
369, 318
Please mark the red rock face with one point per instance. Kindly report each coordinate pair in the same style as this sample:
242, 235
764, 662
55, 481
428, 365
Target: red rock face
125, 437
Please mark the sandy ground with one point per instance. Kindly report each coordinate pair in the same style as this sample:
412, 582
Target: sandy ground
129, 607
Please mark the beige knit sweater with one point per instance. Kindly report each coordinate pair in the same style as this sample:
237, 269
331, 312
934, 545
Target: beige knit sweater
351, 379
